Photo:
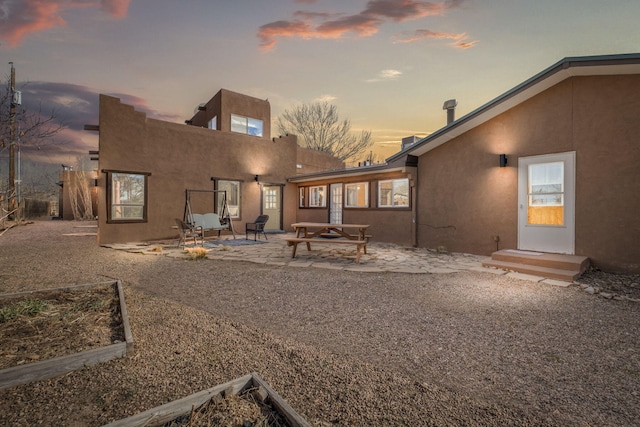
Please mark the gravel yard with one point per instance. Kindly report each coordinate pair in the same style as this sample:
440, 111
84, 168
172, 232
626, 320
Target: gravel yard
341, 347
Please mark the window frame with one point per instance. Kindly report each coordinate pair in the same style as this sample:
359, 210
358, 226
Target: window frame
393, 182
323, 201
347, 188
245, 127
217, 182
110, 204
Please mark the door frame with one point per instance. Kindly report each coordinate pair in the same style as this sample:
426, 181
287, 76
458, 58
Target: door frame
551, 238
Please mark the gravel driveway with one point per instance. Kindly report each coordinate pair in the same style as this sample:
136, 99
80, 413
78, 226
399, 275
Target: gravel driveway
343, 348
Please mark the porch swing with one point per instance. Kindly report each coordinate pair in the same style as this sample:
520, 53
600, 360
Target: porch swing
209, 221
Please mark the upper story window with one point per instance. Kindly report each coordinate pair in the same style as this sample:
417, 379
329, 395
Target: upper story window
213, 123
127, 197
246, 125
357, 195
393, 193
317, 196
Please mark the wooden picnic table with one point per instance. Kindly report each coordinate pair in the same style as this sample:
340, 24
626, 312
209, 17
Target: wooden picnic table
310, 230
307, 232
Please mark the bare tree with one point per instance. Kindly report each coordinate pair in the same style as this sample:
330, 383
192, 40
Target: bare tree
20, 127
80, 190
320, 127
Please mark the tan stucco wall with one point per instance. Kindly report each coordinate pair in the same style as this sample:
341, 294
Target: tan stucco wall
392, 225
465, 199
311, 161
225, 103
179, 157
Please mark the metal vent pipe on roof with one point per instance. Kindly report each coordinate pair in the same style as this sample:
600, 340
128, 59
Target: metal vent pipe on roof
450, 106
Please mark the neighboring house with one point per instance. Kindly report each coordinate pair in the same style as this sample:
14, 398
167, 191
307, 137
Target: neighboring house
146, 166
571, 184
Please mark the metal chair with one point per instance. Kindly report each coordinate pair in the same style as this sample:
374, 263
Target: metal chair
256, 227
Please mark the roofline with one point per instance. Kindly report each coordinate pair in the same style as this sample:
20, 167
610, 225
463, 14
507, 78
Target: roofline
340, 173
562, 70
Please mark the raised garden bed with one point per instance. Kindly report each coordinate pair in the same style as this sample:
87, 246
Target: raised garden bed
194, 409
57, 311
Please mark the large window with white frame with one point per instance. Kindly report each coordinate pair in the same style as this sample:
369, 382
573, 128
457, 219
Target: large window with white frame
232, 189
318, 196
126, 196
246, 125
393, 193
356, 195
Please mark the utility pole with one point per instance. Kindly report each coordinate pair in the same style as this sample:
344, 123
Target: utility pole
12, 147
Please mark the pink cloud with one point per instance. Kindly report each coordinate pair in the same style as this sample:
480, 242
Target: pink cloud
460, 40
116, 8
20, 19
363, 24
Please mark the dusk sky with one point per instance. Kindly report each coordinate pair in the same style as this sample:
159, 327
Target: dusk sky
387, 64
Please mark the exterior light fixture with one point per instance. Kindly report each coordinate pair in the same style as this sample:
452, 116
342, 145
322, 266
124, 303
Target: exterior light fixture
257, 179
503, 160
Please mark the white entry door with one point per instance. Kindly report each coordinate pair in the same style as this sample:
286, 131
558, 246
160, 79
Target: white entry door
272, 206
546, 203
335, 204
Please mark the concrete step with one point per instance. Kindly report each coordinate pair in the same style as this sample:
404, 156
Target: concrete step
549, 273
553, 266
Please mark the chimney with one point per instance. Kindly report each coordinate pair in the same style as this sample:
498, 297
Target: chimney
450, 106
409, 140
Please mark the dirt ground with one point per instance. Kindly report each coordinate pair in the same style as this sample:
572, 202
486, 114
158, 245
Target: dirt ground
343, 348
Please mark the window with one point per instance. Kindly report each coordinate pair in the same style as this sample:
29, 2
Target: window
127, 197
546, 194
393, 193
233, 197
317, 197
301, 202
357, 195
271, 198
246, 125
213, 123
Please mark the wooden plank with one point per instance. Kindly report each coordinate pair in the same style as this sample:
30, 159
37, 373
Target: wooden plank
326, 241
46, 369
169, 411
128, 336
281, 405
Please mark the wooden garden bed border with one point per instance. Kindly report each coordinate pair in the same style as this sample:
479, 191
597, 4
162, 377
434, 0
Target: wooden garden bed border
50, 368
162, 414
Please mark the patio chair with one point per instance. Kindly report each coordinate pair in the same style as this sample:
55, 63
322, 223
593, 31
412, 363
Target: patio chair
256, 227
188, 231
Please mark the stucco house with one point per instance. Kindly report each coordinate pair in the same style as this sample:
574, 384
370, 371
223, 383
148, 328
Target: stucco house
550, 166
146, 165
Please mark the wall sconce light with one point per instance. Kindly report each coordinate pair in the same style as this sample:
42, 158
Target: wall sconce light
95, 182
257, 179
503, 160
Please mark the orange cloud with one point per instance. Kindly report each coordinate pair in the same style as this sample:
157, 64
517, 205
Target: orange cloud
19, 19
305, 24
460, 40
